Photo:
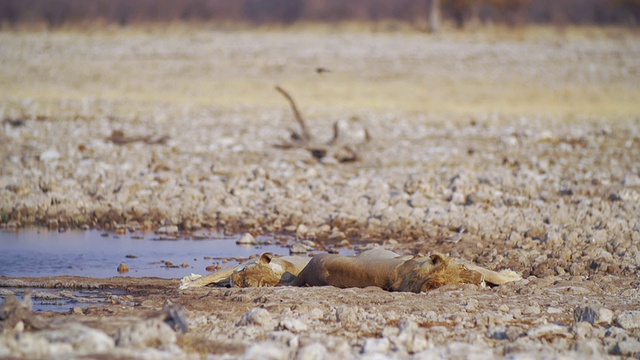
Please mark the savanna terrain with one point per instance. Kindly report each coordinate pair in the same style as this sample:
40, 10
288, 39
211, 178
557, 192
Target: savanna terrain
510, 148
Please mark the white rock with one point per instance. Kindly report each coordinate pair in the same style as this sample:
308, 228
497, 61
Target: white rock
256, 316
298, 248
372, 345
50, 154
83, 339
293, 325
171, 229
548, 330
604, 316
347, 315
315, 314
284, 337
582, 329
628, 348
246, 239
143, 334
315, 351
302, 229
411, 338
266, 350
629, 319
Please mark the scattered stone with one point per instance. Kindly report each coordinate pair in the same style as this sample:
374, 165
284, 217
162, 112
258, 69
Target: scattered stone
167, 230
629, 319
549, 330
582, 329
123, 268
256, 316
315, 351
83, 340
143, 334
48, 155
628, 348
266, 350
315, 314
247, 239
372, 346
76, 310
293, 325
347, 315
298, 248
411, 338
593, 314
211, 268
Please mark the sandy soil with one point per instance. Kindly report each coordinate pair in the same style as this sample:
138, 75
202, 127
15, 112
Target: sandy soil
513, 152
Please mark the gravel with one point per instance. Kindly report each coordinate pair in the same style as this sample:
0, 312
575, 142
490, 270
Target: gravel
552, 193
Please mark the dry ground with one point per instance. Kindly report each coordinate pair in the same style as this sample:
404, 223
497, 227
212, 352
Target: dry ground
515, 151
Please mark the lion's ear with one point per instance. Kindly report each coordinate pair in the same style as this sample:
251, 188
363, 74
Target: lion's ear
438, 259
265, 258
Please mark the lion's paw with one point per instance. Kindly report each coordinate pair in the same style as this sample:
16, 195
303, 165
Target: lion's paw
184, 283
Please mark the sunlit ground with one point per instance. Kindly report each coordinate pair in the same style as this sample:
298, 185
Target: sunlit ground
540, 71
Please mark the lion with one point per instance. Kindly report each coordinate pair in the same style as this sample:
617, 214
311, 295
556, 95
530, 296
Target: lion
392, 272
266, 270
377, 267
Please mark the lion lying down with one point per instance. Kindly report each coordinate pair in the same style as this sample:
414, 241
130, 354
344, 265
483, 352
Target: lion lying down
377, 267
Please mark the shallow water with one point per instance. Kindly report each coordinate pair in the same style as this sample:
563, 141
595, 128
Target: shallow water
60, 300
35, 253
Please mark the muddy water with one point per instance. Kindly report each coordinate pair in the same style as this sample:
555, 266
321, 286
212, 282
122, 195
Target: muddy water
33, 253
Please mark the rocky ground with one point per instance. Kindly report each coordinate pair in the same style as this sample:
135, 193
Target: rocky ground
512, 152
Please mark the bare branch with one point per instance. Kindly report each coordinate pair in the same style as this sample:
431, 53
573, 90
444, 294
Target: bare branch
305, 136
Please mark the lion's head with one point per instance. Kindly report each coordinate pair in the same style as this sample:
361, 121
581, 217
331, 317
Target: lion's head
267, 271
424, 274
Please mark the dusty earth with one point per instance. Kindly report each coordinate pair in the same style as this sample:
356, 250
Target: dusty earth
513, 151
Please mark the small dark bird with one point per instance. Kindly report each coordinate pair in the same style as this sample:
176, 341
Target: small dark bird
321, 70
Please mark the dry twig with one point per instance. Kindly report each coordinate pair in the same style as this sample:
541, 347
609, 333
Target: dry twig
338, 150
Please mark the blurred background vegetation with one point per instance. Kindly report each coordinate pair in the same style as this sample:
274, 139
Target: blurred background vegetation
427, 15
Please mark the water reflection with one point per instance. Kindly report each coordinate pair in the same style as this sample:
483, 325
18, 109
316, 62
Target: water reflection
36, 253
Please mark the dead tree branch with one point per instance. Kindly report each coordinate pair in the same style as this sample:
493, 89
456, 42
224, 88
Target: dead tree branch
305, 136
336, 148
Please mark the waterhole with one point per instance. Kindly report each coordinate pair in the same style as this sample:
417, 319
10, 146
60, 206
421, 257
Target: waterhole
37, 253
97, 254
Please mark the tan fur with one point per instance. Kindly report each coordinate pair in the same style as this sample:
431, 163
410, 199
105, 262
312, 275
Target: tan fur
378, 267
262, 271
417, 274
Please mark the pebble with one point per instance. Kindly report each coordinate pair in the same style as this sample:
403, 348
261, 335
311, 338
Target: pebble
266, 350
284, 337
582, 329
143, 334
315, 314
123, 268
372, 345
347, 315
298, 248
83, 339
256, 316
629, 319
247, 239
50, 154
315, 351
593, 314
628, 348
293, 325
411, 338
167, 230
548, 330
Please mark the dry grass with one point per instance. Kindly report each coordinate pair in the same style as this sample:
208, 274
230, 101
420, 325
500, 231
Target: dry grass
530, 71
